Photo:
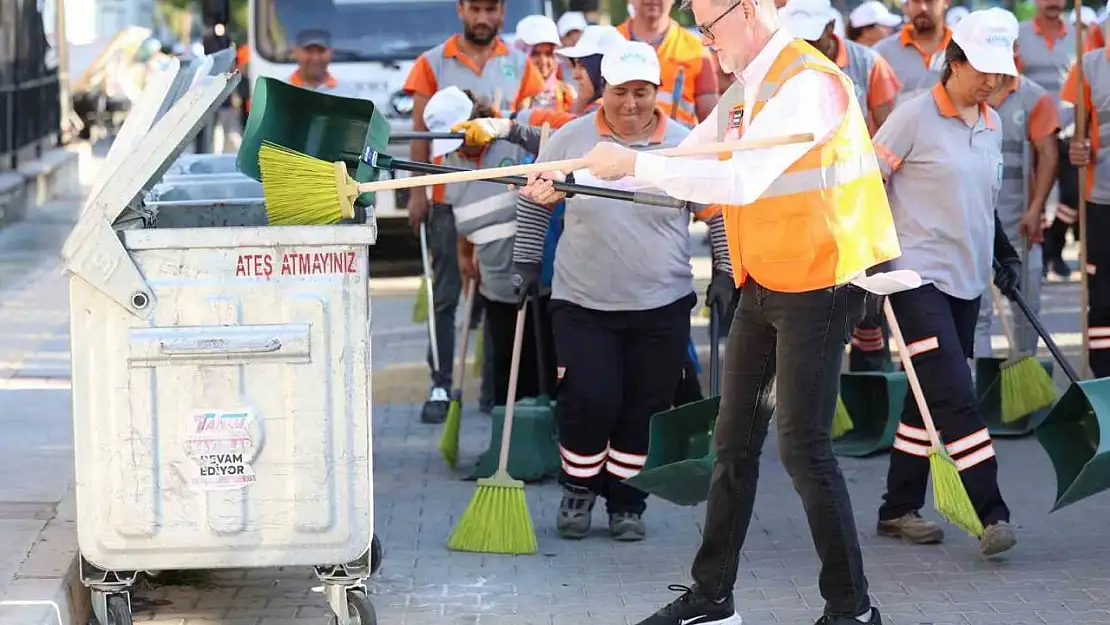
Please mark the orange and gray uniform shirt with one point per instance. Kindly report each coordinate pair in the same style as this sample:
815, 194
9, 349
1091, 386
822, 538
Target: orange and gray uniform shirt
917, 70
1046, 61
1096, 95
943, 176
330, 86
685, 64
1028, 114
874, 79
508, 74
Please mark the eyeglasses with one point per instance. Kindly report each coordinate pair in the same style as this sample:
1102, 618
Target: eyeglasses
706, 29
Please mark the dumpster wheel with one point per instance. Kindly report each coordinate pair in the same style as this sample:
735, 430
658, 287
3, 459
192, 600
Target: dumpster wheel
359, 609
119, 611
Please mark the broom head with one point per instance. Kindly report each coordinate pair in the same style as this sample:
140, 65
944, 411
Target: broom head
842, 421
950, 495
449, 440
497, 519
1026, 388
301, 190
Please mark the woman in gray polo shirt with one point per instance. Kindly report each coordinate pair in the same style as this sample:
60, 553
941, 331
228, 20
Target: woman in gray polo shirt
621, 298
941, 154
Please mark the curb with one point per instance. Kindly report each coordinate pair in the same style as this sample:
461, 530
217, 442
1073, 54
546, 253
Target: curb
54, 174
47, 589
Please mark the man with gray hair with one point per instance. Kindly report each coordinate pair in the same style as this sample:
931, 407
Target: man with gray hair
805, 222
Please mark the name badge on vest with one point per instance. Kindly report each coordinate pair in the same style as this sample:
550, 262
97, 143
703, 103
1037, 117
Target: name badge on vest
736, 117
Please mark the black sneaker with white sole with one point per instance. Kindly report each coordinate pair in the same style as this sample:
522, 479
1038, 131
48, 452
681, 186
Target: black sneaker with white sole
694, 609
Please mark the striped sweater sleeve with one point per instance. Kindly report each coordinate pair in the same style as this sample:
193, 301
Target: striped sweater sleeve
718, 243
532, 220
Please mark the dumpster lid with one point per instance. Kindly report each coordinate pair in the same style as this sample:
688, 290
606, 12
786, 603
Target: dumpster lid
93, 250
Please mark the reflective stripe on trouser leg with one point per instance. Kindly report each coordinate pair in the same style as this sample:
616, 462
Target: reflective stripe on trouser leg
588, 371
936, 328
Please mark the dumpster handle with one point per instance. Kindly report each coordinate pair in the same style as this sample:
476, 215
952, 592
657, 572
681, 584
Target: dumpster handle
193, 347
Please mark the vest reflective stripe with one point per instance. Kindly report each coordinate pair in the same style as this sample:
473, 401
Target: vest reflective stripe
483, 207
826, 219
1013, 193
496, 232
680, 52
834, 175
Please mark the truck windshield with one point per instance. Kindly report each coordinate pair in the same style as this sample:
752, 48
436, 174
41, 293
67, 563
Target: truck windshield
367, 30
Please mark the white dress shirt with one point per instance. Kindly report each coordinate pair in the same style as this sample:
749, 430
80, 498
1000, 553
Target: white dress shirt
810, 102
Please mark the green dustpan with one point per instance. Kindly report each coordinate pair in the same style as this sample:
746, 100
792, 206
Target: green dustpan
679, 461
327, 127
875, 400
534, 448
988, 388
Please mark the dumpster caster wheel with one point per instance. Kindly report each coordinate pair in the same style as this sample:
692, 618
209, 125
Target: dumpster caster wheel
375, 555
119, 611
359, 609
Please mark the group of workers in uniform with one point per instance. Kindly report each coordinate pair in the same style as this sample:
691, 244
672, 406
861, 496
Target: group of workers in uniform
938, 142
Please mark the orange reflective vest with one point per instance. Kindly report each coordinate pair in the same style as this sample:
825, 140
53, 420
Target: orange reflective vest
826, 219
681, 54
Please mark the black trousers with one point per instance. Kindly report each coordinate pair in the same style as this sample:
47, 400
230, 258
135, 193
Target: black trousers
1067, 177
1098, 287
537, 366
870, 340
615, 370
784, 356
939, 331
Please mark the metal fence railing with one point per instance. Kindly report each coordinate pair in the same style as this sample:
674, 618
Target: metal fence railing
29, 91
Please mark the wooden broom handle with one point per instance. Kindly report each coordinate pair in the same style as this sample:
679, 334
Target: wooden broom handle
510, 399
468, 313
911, 374
572, 164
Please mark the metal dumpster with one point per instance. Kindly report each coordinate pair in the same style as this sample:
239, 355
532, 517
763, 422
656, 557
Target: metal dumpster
193, 164
221, 395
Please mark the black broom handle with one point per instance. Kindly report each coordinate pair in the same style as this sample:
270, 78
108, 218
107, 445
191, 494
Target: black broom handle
569, 187
1019, 299
403, 137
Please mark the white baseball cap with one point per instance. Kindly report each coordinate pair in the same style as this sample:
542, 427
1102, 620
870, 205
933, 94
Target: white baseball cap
838, 24
807, 19
449, 106
628, 61
955, 14
987, 39
1086, 14
873, 13
536, 29
595, 40
570, 22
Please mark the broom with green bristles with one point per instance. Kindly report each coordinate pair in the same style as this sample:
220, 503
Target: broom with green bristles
497, 519
449, 440
950, 496
1026, 386
842, 421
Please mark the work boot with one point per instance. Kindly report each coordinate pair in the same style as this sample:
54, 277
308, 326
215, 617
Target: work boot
997, 538
435, 409
575, 510
911, 528
627, 526
869, 618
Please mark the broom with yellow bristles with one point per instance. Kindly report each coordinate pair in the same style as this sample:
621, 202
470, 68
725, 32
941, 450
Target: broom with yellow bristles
497, 519
449, 440
950, 496
1026, 386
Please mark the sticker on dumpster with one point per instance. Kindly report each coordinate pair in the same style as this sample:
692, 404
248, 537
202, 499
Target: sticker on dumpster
296, 264
221, 448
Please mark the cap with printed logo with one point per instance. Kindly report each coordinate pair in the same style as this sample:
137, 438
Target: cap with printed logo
629, 61
807, 19
1086, 14
954, 15
987, 39
873, 13
570, 22
594, 40
449, 106
536, 29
